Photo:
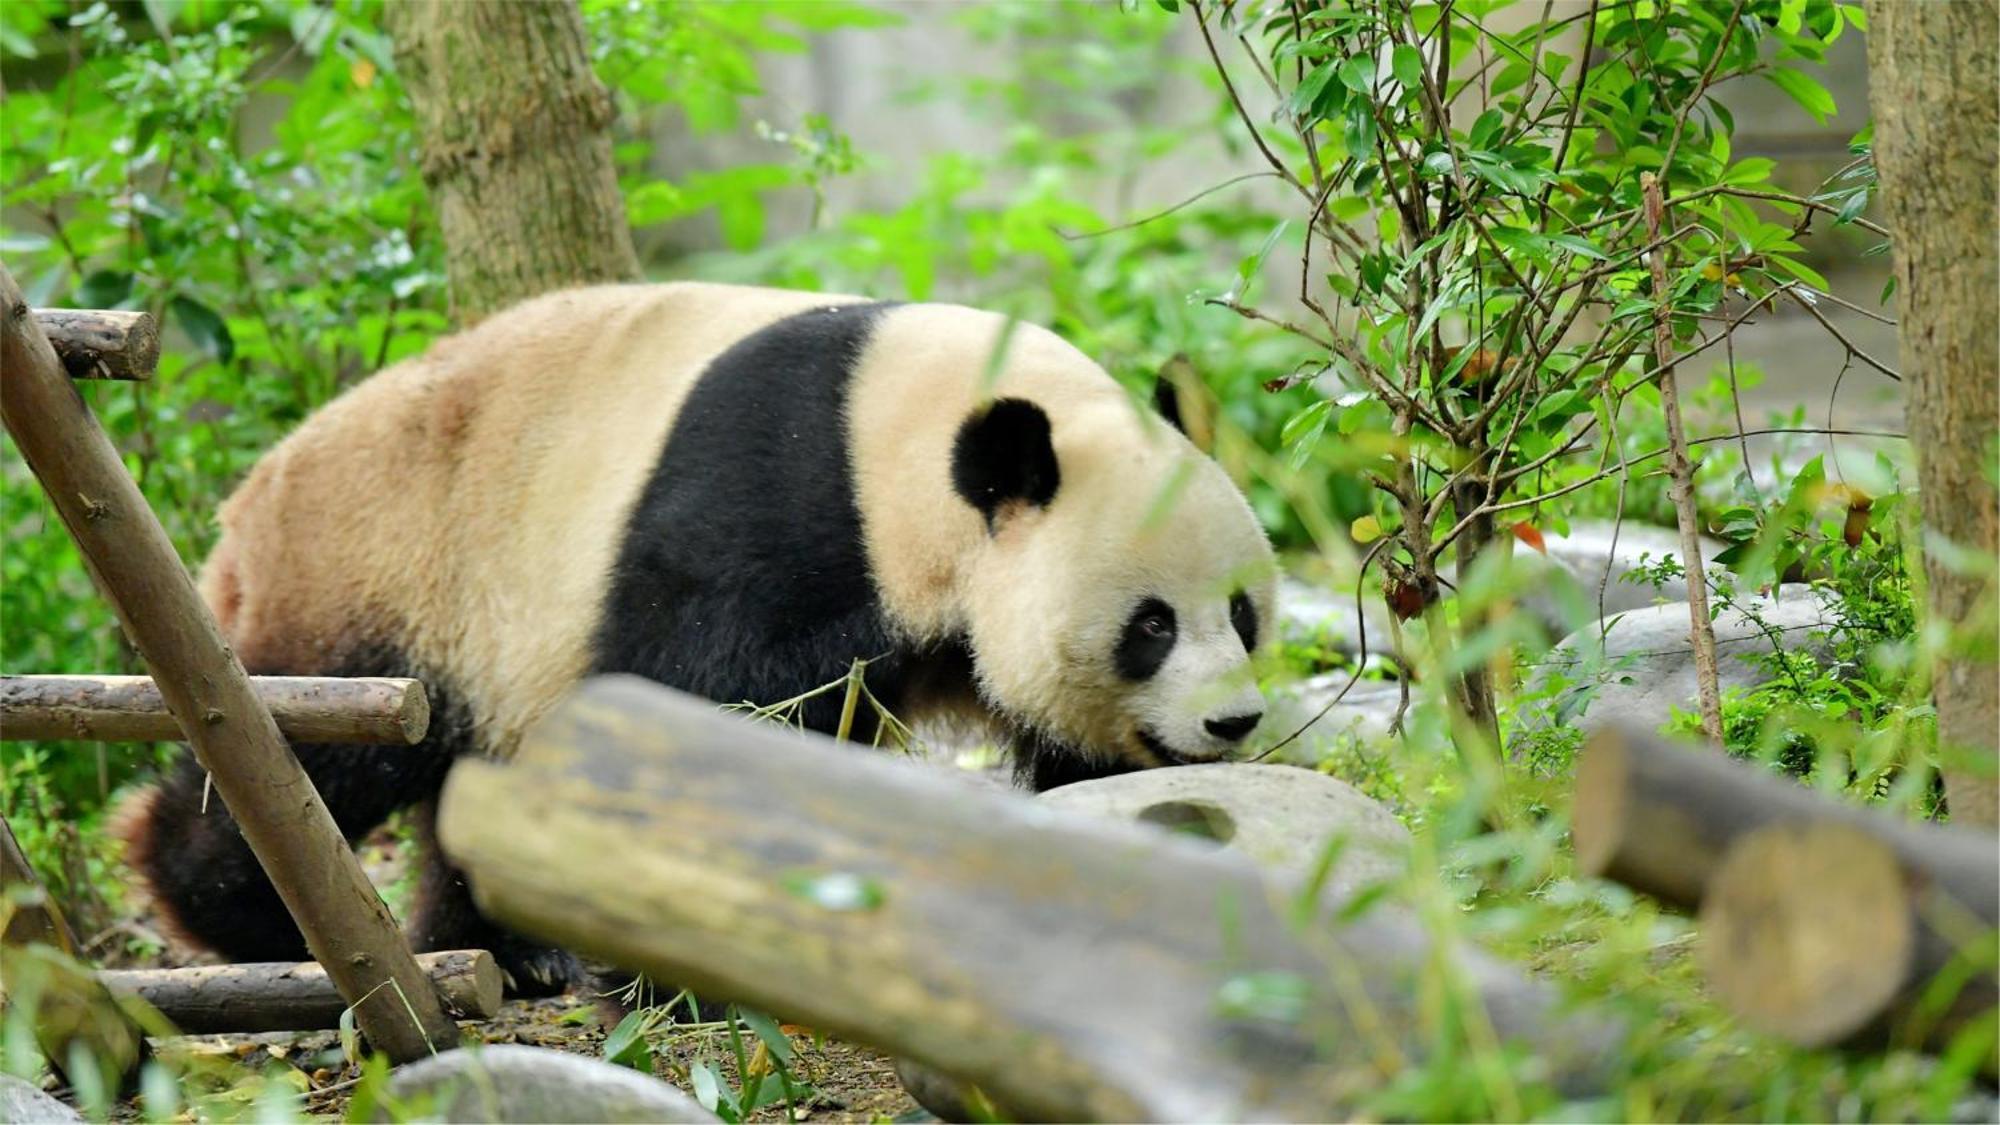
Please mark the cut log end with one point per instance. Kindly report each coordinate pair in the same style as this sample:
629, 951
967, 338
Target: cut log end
102, 343
1602, 781
1807, 931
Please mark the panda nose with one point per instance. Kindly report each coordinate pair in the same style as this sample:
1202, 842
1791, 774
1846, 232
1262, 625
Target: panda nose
1234, 728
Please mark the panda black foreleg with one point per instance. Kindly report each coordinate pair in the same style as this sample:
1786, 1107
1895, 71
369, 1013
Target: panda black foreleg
206, 879
446, 918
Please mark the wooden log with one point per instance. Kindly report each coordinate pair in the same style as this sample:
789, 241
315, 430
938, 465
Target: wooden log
366, 711
1659, 817
1072, 968
284, 996
1819, 932
102, 344
345, 925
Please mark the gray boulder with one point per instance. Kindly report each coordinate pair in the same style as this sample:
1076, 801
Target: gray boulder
504, 1082
1640, 666
23, 1101
1282, 817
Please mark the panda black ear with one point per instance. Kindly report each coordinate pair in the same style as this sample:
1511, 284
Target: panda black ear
1003, 456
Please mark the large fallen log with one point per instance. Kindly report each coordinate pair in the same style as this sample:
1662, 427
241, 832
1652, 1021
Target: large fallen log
133, 564
1070, 967
1660, 816
102, 343
1819, 932
284, 996
368, 711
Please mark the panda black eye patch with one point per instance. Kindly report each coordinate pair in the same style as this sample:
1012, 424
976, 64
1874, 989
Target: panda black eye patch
1243, 616
1148, 637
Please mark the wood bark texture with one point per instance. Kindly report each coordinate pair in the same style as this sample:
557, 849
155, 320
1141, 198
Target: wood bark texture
1661, 817
103, 344
516, 148
1931, 76
1680, 472
282, 817
284, 996
1819, 932
1073, 969
371, 711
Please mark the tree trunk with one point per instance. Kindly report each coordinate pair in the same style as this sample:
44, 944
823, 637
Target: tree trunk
1931, 76
516, 148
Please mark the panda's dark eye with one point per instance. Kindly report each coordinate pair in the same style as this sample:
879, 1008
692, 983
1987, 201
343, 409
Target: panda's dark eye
1243, 616
1146, 640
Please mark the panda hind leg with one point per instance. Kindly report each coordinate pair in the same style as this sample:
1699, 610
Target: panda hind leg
206, 882
445, 917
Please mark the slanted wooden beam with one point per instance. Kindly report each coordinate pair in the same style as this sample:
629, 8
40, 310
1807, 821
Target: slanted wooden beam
365, 711
283, 996
102, 343
133, 563
1072, 968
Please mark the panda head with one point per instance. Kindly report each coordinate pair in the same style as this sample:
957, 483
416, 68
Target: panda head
1121, 588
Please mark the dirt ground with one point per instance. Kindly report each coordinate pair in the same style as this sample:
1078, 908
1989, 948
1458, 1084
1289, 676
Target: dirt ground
846, 1082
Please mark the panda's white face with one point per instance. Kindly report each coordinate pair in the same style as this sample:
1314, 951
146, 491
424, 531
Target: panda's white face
1119, 619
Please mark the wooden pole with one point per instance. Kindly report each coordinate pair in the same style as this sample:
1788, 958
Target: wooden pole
1818, 932
282, 817
102, 344
365, 711
1660, 817
283, 996
1072, 968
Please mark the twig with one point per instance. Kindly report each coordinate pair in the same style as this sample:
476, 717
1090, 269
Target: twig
1161, 214
1856, 352
1681, 471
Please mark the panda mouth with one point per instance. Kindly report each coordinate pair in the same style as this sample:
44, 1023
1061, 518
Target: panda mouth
1159, 749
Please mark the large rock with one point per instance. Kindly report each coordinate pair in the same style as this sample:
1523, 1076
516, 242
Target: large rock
505, 1082
23, 1101
1642, 664
1282, 817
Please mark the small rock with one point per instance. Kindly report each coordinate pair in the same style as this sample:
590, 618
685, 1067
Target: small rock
1282, 817
1646, 662
21, 1100
1311, 613
1365, 712
504, 1082
1559, 588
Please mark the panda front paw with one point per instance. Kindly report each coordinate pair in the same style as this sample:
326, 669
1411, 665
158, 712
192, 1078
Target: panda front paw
537, 970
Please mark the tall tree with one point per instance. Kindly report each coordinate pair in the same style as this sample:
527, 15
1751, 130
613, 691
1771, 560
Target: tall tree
1932, 77
516, 147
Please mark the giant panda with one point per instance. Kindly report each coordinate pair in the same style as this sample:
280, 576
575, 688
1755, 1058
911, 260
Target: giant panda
736, 492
